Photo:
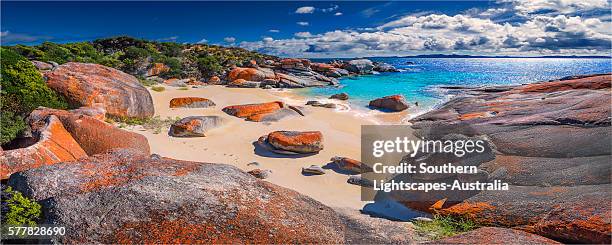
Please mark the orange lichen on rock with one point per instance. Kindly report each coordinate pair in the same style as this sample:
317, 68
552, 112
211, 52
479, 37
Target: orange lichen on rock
54, 145
157, 68
468, 209
250, 74
254, 112
592, 82
190, 102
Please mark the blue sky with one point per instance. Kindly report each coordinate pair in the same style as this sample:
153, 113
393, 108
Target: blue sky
328, 29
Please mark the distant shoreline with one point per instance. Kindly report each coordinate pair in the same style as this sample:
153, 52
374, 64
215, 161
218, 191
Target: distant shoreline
444, 56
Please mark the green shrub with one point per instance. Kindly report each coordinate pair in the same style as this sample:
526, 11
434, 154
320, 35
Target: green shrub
55, 52
158, 89
444, 226
209, 65
10, 126
23, 90
19, 210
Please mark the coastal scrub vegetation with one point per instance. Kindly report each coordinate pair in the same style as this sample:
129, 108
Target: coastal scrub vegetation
23, 90
444, 226
19, 210
135, 56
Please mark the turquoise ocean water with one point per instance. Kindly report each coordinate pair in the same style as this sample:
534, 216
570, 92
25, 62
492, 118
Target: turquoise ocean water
421, 81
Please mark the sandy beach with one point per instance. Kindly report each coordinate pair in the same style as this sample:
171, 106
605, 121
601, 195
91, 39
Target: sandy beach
233, 142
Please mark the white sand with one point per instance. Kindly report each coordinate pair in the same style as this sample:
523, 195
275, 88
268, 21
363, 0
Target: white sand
233, 142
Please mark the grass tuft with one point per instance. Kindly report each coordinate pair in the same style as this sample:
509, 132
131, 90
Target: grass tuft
444, 226
158, 89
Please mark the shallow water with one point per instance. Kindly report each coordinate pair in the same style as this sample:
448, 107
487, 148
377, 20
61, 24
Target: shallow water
420, 82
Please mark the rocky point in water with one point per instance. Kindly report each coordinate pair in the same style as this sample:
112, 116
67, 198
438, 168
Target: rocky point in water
552, 145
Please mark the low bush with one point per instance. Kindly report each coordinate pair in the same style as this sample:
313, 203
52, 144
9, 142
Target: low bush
23, 90
444, 226
158, 89
19, 210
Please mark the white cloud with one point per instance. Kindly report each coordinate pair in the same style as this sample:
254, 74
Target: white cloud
303, 34
9, 38
305, 10
229, 39
538, 32
338, 14
204, 40
330, 9
302, 23
267, 39
274, 30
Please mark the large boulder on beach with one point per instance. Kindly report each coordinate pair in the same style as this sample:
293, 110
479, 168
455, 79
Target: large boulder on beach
293, 142
134, 198
360, 66
251, 74
392, 103
495, 235
84, 84
191, 102
271, 111
53, 144
552, 145
93, 135
194, 126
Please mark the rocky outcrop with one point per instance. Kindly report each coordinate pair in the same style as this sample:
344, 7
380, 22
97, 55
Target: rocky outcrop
298, 64
54, 144
392, 103
93, 135
360, 66
241, 83
156, 69
251, 74
340, 96
85, 84
384, 67
293, 142
494, 235
194, 126
271, 111
133, 198
551, 143
191, 102
303, 80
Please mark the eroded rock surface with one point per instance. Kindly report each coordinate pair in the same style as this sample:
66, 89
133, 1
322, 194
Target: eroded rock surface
551, 143
191, 102
494, 235
133, 198
271, 111
194, 126
93, 135
54, 144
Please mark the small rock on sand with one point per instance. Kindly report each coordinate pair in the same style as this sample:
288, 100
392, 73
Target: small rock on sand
313, 169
